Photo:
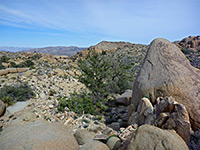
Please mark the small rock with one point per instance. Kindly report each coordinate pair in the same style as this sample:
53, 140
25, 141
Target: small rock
115, 126
101, 137
29, 116
113, 143
51, 106
125, 98
83, 136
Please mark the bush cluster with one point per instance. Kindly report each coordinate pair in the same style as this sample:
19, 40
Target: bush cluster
3, 59
27, 63
14, 93
78, 103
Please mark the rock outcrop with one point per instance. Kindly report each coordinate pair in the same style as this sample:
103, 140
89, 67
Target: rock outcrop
37, 135
153, 138
12, 70
167, 72
191, 42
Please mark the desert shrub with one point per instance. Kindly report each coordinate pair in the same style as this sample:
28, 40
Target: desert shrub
1, 66
27, 63
17, 92
7, 100
95, 74
80, 103
4, 59
52, 92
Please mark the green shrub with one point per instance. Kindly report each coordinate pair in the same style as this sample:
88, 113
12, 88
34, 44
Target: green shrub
79, 103
17, 92
27, 63
4, 59
52, 92
7, 99
13, 78
2, 66
104, 75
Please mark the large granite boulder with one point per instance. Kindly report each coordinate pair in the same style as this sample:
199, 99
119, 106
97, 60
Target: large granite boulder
153, 138
39, 135
167, 72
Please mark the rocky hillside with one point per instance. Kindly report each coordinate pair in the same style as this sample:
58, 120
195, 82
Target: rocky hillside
46, 105
191, 42
58, 50
103, 46
190, 46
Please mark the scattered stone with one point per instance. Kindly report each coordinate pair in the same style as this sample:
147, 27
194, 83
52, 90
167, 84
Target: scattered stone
125, 98
51, 106
29, 116
115, 126
59, 72
101, 137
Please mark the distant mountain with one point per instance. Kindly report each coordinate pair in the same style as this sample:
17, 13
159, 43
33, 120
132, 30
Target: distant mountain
13, 49
58, 50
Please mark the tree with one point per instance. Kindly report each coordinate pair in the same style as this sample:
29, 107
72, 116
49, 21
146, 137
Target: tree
95, 74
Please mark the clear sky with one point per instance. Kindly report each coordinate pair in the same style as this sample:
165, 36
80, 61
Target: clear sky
39, 23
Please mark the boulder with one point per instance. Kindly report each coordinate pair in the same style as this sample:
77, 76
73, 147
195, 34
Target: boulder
144, 114
59, 72
172, 115
94, 145
153, 138
38, 135
83, 136
19, 70
113, 143
167, 72
6, 65
3, 72
2, 108
125, 98
11, 70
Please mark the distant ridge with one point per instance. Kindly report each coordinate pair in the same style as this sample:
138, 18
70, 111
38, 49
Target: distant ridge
58, 50
13, 49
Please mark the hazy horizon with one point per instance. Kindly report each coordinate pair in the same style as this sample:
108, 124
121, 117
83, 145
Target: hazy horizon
82, 23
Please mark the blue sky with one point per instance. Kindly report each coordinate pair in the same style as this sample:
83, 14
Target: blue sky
39, 23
